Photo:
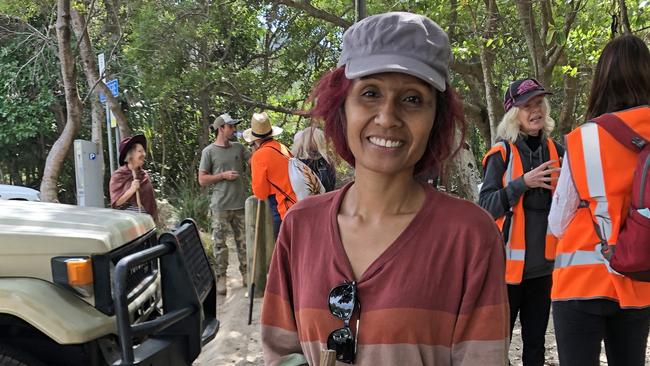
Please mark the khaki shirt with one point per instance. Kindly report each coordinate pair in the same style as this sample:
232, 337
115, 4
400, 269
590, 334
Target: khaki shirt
226, 195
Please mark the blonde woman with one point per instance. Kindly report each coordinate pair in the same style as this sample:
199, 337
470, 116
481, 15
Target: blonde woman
310, 147
520, 174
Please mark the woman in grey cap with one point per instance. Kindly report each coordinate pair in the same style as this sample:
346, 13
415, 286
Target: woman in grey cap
386, 270
521, 172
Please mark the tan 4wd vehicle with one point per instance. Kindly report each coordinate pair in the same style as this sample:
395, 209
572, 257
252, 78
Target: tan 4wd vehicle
92, 286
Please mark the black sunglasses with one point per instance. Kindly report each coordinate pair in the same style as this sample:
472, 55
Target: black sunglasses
342, 301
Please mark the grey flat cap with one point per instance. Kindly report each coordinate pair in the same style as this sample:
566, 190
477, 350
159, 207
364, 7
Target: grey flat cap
397, 42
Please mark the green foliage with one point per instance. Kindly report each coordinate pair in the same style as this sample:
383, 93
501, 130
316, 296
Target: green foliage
180, 61
27, 98
192, 201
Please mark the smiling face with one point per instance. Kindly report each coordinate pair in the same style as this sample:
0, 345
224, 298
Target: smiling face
531, 116
136, 156
389, 118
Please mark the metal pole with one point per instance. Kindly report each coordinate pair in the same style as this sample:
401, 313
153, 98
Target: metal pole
109, 131
360, 8
109, 134
118, 138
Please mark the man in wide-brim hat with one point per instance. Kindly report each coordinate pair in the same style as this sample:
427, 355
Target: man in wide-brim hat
261, 128
223, 164
270, 168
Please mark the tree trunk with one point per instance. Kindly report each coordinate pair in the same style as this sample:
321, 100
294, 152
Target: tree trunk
490, 95
113, 29
465, 173
62, 145
487, 59
477, 115
111, 25
535, 46
204, 100
59, 115
92, 74
315, 12
114, 106
566, 121
625, 20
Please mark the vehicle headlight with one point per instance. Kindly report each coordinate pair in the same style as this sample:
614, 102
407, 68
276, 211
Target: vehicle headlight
75, 273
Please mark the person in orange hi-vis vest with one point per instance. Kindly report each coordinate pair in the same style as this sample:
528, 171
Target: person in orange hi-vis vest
591, 301
521, 171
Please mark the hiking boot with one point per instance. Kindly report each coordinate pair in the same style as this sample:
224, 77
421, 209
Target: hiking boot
221, 285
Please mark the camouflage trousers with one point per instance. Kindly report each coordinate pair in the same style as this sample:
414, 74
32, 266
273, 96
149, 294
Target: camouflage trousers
224, 223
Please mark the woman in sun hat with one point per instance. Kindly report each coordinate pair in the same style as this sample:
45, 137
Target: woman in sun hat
520, 174
386, 270
130, 186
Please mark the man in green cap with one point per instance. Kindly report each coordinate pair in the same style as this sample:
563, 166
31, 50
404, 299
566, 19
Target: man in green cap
222, 167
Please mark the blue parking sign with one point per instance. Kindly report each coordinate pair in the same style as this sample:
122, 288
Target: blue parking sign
113, 86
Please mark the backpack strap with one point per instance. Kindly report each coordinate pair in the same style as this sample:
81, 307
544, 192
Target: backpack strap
626, 137
621, 132
281, 191
276, 187
280, 152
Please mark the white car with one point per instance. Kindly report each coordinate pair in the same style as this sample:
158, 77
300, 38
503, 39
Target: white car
9, 192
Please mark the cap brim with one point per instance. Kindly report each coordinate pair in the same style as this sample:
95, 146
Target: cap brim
524, 98
248, 134
356, 68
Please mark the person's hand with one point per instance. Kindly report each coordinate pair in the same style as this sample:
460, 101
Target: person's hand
541, 176
135, 185
230, 175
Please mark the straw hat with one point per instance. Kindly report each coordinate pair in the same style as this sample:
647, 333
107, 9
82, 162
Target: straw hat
260, 128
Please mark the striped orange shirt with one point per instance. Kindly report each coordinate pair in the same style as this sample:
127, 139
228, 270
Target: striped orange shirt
435, 296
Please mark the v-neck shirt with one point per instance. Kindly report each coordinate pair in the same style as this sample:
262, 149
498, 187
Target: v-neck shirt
435, 296
411, 229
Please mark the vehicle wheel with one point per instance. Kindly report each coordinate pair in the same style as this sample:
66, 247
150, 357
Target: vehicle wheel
12, 357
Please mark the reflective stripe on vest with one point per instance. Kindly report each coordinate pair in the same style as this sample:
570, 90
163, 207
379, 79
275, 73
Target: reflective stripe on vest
516, 244
602, 171
583, 258
595, 177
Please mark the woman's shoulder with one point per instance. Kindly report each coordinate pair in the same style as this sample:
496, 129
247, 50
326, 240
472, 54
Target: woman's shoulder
313, 205
462, 215
501, 146
121, 171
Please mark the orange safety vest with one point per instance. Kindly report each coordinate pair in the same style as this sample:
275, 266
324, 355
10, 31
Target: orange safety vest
602, 170
516, 243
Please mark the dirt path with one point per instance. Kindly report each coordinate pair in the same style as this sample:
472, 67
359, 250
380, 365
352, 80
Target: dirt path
239, 344
236, 343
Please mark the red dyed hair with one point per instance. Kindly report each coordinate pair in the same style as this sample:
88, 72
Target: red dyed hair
329, 95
